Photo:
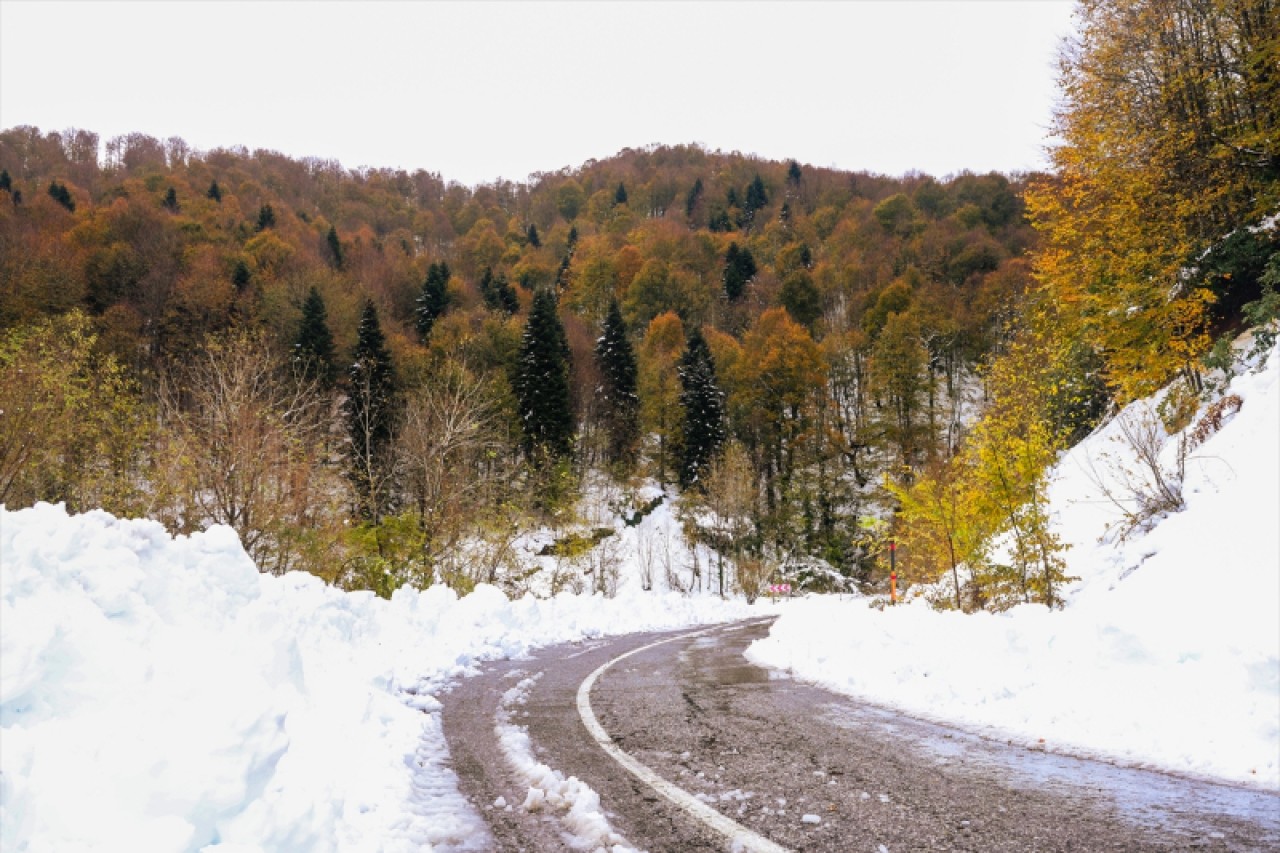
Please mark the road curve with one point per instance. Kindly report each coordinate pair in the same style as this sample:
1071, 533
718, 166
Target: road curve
804, 768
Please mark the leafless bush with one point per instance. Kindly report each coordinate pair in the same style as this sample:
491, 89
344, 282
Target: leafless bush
666, 556
250, 432
1213, 419
606, 565
753, 576
446, 450
646, 557
1146, 487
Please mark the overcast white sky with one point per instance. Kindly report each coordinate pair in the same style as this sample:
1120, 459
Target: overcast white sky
481, 90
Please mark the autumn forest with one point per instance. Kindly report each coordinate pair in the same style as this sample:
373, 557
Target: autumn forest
384, 377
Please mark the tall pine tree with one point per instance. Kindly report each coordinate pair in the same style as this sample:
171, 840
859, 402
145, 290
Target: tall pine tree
371, 417
541, 382
703, 404
266, 217
215, 192
498, 293
314, 351
620, 403
335, 247
739, 268
434, 299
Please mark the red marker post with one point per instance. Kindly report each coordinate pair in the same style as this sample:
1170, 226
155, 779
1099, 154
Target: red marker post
893, 571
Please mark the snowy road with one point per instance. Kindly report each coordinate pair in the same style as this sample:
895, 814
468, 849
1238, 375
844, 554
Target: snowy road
794, 764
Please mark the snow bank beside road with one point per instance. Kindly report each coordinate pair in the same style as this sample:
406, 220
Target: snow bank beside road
1167, 654
161, 690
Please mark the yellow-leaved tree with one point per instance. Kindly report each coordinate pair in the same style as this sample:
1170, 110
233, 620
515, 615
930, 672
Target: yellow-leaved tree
1169, 130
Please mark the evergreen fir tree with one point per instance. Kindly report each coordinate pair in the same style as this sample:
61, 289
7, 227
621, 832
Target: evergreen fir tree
240, 275
335, 247
371, 415
17, 198
793, 173
720, 221
691, 200
6, 183
739, 268
620, 402
571, 242
562, 274
532, 234
489, 289
498, 294
266, 217
620, 194
171, 200
541, 382
215, 192
434, 299
703, 404
59, 193
756, 198
314, 350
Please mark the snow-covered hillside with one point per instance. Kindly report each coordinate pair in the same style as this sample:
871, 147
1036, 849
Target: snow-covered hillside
162, 691
1168, 651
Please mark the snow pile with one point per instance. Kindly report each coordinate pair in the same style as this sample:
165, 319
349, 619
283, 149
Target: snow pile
575, 802
161, 690
1167, 653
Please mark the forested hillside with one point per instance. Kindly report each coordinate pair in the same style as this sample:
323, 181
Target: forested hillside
385, 377
286, 345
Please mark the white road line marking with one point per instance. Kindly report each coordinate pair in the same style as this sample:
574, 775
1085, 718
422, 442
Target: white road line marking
740, 838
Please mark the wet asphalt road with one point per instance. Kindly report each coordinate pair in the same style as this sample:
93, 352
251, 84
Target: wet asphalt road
766, 751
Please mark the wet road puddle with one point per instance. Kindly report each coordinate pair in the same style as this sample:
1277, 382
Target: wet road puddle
1146, 798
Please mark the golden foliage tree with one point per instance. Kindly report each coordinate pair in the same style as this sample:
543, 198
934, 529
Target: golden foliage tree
1170, 140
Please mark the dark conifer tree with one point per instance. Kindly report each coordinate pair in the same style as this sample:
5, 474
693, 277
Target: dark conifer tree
314, 351
240, 275
371, 416
739, 269
489, 289
335, 247
756, 198
532, 234
793, 173
507, 298
541, 382
266, 217
59, 193
571, 242
215, 192
562, 274
171, 200
498, 293
620, 194
703, 404
691, 200
17, 197
433, 301
620, 403
6, 183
